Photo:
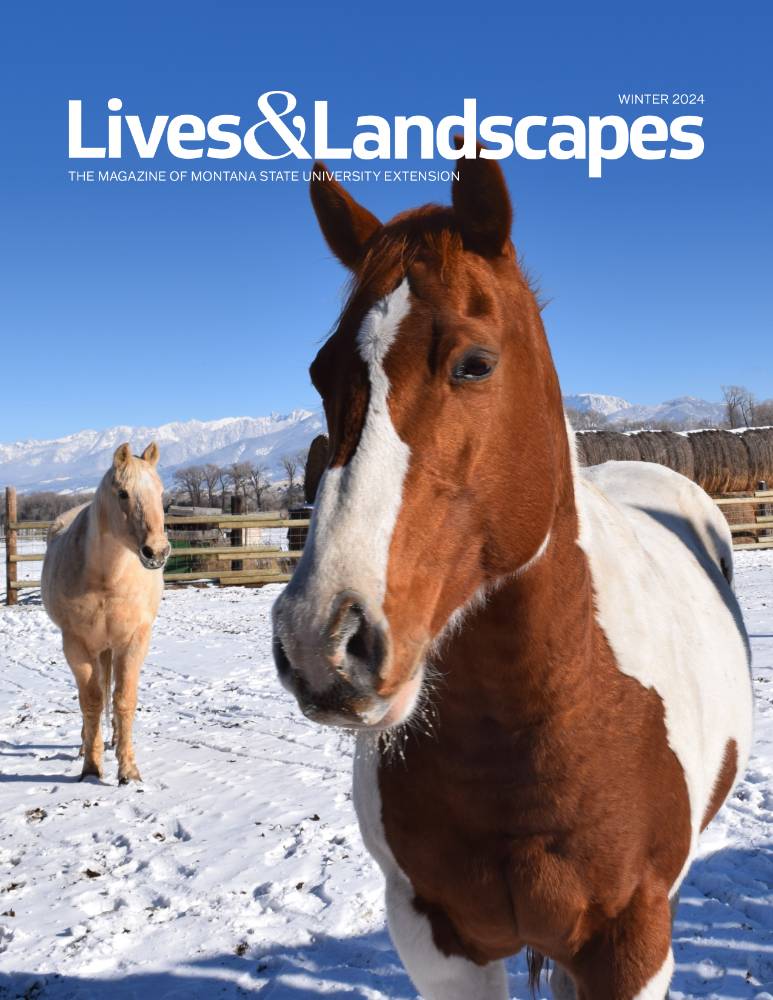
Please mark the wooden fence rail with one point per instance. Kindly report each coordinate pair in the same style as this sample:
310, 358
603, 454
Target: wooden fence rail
276, 558
761, 528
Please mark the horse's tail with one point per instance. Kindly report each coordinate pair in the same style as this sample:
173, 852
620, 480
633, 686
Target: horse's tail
106, 662
535, 962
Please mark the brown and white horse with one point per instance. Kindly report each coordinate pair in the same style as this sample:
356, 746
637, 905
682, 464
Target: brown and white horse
102, 584
574, 631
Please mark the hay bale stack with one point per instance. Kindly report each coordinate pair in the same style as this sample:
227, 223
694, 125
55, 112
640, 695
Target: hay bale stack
316, 464
721, 461
667, 448
758, 442
607, 446
579, 447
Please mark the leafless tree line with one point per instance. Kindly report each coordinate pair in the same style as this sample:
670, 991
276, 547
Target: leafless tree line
742, 409
208, 485
44, 505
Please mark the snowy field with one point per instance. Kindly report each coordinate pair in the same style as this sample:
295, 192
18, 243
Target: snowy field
236, 868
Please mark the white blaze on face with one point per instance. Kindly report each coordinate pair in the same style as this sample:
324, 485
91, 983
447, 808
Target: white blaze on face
356, 509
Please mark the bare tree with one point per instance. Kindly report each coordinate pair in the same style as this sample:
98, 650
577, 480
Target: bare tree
239, 474
223, 478
43, 505
291, 466
211, 479
653, 425
763, 413
258, 479
191, 480
586, 420
739, 405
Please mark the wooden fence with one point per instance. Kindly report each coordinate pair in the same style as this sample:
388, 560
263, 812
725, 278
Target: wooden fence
272, 563
755, 531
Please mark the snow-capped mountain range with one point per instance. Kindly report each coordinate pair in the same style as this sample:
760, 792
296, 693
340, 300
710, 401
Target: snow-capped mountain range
684, 409
79, 460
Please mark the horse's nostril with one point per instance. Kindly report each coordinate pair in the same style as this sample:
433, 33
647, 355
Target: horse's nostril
357, 643
147, 552
360, 639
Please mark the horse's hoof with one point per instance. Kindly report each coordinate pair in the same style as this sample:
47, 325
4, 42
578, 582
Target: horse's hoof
90, 772
129, 777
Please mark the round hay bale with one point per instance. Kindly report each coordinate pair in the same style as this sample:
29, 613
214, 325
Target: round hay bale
759, 447
316, 464
579, 447
608, 446
666, 448
721, 461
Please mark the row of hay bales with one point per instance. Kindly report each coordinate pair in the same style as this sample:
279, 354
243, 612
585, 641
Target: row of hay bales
720, 461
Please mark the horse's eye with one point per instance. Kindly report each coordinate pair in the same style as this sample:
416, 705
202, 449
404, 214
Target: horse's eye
474, 367
123, 495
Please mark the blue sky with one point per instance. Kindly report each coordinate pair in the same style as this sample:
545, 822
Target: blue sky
151, 303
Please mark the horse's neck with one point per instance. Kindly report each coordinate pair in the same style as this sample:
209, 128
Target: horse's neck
529, 651
106, 555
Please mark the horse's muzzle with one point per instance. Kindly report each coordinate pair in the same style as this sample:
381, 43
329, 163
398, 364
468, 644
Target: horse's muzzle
154, 558
336, 675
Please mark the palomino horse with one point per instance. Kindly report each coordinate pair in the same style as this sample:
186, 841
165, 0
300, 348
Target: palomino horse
562, 648
102, 584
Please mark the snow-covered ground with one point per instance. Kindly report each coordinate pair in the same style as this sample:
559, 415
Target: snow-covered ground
236, 868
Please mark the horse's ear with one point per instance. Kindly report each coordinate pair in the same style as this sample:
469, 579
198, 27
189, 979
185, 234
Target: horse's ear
150, 454
122, 455
481, 204
345, 224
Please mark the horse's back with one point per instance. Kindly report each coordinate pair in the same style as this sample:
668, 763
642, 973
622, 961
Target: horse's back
671, 499
65, 520
660, 555
64, 556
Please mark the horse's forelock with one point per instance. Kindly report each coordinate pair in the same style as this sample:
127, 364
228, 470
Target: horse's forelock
428, 234
132, 475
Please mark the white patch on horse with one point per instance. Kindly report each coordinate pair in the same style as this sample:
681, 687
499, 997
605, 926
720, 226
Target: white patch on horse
657, 987
356, 510
655, 542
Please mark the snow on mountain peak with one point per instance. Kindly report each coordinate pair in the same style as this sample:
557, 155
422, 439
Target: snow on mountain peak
79, 460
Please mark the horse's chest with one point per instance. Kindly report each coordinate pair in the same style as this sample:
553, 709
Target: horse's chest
457, 859
109, 619
513, 860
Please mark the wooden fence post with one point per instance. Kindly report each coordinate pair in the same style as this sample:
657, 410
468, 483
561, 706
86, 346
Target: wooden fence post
11, 594
237, 535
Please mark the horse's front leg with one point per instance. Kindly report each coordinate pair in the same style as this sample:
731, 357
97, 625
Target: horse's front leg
127, 663
86, 671
436, 976
106, 663
631, 957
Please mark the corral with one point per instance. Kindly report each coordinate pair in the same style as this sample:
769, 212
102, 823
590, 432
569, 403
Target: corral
260, 548
246, 549
236, 869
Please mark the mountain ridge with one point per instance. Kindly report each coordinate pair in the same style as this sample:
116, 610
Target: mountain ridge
78, 461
